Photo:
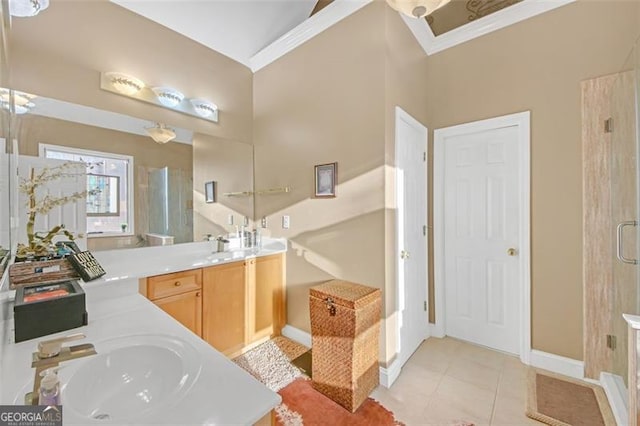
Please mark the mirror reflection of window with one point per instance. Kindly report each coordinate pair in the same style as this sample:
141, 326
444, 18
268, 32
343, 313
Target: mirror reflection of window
103, 195
109, 183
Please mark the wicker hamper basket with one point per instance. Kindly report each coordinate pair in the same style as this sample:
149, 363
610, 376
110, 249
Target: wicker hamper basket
345, 329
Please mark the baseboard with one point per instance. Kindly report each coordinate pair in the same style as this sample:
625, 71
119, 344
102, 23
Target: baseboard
557, 364
436, 331
297, 335
387, 375
616, 392
390, 374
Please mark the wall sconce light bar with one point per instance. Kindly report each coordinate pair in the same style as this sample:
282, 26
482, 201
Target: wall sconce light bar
165, 97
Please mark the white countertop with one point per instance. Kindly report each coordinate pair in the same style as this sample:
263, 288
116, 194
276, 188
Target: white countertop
148, 261
223, 393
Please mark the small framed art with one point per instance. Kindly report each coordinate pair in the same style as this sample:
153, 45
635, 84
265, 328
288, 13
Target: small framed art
325, 180
210, 192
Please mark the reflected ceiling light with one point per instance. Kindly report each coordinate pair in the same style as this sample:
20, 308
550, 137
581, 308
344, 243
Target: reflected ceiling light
160, 133
168, 96
203, 107
417, 8
27, 8
124, 83
19, 98
18, 109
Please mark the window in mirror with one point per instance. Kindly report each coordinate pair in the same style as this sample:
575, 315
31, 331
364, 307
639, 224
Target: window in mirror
103, 195
110, 187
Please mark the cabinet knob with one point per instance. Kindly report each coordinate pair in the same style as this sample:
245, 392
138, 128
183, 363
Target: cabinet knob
198, 294
177, 283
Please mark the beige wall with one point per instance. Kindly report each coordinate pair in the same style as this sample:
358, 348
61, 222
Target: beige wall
230, 164
333, 99
60, 54
147, 155
537, 65
321, 103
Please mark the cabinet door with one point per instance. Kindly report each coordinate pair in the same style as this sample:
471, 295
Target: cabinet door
223, 304
266, 297
185, 308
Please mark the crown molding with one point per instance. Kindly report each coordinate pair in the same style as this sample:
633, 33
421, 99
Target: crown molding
501, 19
330, 15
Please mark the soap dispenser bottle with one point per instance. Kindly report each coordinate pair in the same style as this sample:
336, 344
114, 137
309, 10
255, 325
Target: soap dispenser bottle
49, 387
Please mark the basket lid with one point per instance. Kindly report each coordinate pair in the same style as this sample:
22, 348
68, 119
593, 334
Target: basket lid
345, 293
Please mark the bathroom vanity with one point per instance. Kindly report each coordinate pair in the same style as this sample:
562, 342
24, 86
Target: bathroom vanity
232, 306
165, 339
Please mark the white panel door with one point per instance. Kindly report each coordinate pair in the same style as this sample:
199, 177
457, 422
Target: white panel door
481, 215
73, 215
5, 211
411, 201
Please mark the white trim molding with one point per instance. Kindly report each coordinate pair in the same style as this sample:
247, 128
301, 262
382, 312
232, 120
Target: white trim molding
522, 121
330, 15
485, 25
617, 395
297, 335
557, 364
389, 375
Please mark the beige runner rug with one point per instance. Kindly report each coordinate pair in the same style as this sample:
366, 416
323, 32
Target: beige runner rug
562, 401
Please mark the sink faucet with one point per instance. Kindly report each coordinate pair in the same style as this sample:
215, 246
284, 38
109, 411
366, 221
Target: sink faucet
50, 354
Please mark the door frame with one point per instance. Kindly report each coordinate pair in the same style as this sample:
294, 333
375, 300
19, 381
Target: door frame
403, 115
522, 121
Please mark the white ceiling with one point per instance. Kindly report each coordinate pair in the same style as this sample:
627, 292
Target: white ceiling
236, 28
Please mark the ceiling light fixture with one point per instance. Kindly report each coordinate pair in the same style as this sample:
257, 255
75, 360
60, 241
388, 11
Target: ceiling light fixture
417, 8
160, 133
27, 8
124, 83
21, 101
19, 98
168, 96
203, 107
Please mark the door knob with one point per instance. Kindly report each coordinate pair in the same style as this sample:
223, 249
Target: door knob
404, 254
512, 252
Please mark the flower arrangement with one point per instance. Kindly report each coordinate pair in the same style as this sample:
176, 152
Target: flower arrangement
41, 244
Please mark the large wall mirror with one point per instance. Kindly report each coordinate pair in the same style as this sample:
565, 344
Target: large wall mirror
136, 186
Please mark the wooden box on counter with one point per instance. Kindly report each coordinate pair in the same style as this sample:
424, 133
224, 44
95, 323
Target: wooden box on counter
40, 272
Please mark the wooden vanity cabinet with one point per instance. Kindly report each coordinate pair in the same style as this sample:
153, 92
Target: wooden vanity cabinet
179, 295
224, 296
233, 306
267, 315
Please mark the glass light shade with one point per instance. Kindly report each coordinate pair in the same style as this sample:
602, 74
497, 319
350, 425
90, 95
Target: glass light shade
19, 98
203, 107
124, 83
18, 109
168, 96
417, 8
160, 133
26, 8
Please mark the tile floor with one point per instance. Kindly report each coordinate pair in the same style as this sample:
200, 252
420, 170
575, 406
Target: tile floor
447, 381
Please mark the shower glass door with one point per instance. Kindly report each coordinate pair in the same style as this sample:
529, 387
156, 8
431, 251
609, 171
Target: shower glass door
624, 208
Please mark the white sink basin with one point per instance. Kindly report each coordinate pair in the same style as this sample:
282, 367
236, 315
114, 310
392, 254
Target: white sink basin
131, 377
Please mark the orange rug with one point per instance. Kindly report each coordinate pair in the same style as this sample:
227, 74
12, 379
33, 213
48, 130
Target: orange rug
301, 404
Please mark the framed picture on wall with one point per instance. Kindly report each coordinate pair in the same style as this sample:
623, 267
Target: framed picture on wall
210, 192
325, 179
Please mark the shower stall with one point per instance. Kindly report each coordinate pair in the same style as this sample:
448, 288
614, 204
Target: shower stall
625, 209
171, 204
